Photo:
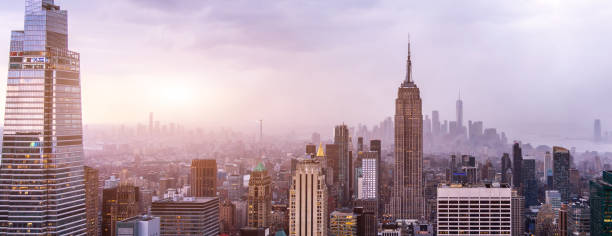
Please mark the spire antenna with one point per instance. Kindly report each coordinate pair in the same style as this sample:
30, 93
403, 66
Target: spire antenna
408, 79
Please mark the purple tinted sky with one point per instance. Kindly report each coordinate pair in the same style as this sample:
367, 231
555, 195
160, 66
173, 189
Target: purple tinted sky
522, 66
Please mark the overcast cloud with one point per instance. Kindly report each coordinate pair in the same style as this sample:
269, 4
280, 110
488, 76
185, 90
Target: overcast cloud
521, 66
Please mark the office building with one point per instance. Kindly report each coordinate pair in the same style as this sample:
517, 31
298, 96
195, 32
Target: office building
561, 166
545, 222
308, 200
553, 198
548, 170
518, 214
260, 198
579, 220
494, 204
118, 203
562, 219
343, 222
435, 123
506, 165
366, 221
408, 193
39, 129
187, 216
341, 138
600, 201
530, 184
139, 226
517, 160
227, 217
92, 200
203, 178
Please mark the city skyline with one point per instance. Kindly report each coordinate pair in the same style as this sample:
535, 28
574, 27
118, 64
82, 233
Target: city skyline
254, 60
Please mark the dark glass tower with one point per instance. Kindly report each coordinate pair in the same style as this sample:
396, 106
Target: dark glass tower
408, 192
561, 166
341, 138
530, 184
517, 160
600, 200
41, 177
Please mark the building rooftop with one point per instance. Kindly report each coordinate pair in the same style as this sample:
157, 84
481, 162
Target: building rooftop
139, 218
188, 199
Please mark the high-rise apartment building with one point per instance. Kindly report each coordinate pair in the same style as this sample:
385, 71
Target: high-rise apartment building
42, 147
308, 213
118, 203
203, 178
600, 200
92, 200
370, 180
561, 166
408, 193
456, 204
187, 216
517, 161
260, 198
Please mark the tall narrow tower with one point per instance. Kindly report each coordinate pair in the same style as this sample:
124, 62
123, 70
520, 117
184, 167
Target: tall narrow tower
41, 174
408, 196
459, 107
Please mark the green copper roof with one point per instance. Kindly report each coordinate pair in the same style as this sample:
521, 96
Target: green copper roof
260, 167
280, 233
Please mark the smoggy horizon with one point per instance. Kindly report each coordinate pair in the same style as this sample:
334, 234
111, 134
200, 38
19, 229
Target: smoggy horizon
525, 69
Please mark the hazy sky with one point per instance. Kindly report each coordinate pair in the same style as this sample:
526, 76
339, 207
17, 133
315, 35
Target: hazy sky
521, 66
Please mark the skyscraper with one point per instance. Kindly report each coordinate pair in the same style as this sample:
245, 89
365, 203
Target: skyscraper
408, 201
92, 200
518, 214
548, 170
308, 200
43, 134
343, 222
459, 107
204, 178
118, 203
600, 200
370, 180
561, 166
341, 138
260, 198
506, 164
435, 123
517, 160
597, 131
530, 184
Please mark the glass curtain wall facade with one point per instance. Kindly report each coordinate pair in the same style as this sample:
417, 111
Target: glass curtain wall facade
41, 176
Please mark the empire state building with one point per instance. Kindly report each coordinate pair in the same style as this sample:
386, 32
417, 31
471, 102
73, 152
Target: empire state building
408, 195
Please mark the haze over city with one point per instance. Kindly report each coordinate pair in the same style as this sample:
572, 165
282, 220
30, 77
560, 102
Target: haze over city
316, 118
528, 67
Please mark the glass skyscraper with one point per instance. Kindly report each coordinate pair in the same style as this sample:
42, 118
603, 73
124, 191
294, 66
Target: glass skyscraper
41, 177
